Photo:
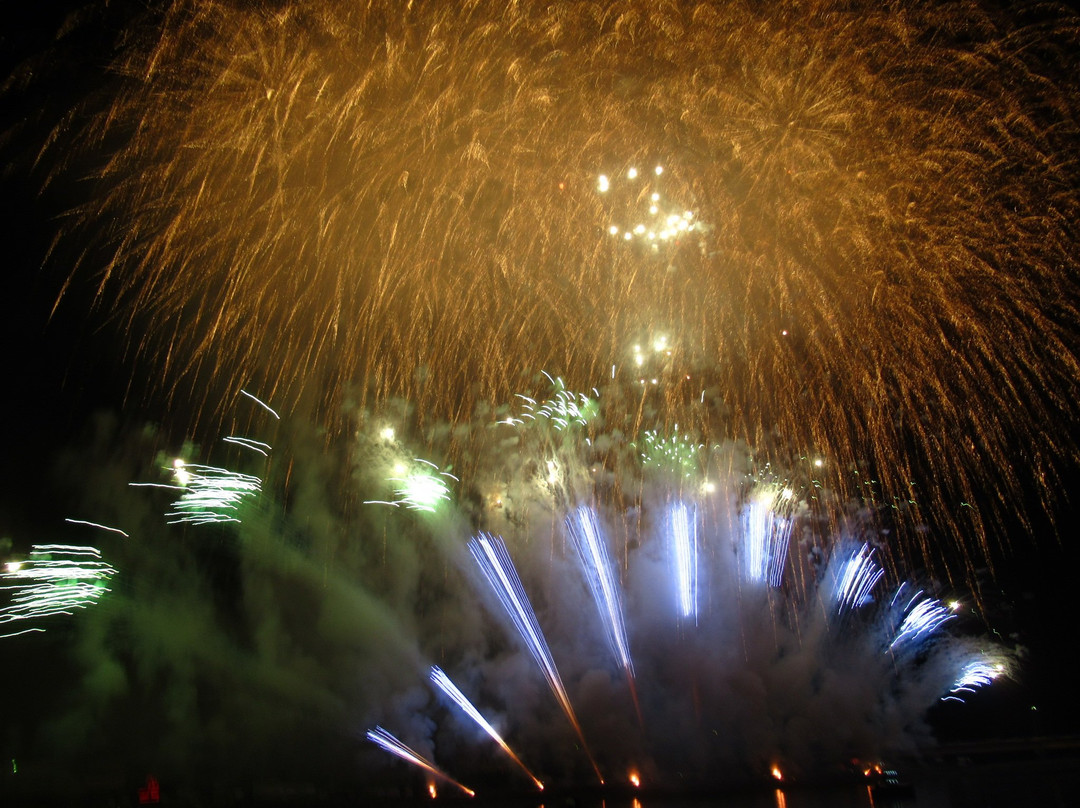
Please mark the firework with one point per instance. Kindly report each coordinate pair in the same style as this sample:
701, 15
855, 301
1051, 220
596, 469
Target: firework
678, 454
261, 403
563, 409
420, 487
796, 654
442, 681
387, 741
97, 525
586, 536
922, 616
210, 494
590, 546
257, 446
974, 674
419, 199
55, 579
648, 219
682, 532
856, 576
494, 562
766, 534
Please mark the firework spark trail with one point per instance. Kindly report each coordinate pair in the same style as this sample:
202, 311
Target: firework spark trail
765, 538
683, 540
923, 615
56, 579
387, 741
210, 494
261, 403
97, 525
443, 682
250, 444
586, 536
420, 488
678, 454
857, 576
562, 410
975, 674
494, 561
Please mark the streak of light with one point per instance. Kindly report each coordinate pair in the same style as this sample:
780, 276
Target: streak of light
443, 682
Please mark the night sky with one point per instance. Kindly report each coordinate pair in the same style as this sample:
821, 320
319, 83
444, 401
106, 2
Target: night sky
84, 413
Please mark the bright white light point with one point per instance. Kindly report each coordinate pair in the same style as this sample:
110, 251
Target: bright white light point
400, 468
784, 332
655, 197
387, 433
632, 173
628, 236
13, 566
639, 229
613, 230
787, 493
659, 170
652, 236
602, 183
660, 344
708, 487
653, 209
183, 476
553, 472
639, 360
955, 605
654, 381
819, 463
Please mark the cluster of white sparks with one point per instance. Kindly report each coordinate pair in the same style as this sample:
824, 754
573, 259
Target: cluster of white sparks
562, 410
975, 674
922, 615
210, 494
856, 580
422, 486
658, 221
55, 579
766, 534
677, 453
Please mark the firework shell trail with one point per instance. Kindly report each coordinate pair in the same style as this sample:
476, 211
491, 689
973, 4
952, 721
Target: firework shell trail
681, 528
446, 685
494, 562
590, 545
386, 740
408, 197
